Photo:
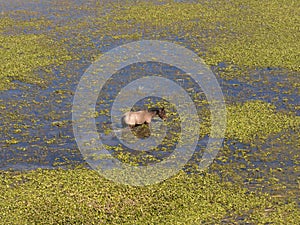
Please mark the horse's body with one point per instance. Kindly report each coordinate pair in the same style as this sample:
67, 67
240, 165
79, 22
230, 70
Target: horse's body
133, 119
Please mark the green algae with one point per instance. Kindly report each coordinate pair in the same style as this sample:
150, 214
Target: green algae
81, 196
257, 120
22, 55
253, 120
269, 165
245, 34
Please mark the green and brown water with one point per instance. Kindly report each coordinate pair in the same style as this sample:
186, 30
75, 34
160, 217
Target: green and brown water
251, 46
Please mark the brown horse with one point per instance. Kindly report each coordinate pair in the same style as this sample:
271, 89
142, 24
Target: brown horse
133, 119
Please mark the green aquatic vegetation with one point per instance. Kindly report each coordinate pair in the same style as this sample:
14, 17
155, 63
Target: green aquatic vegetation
79, 195
270, 166
22, 55
257, 120
244, 34
12, 141
252, 120
60, 123
267, 36
6, 22
247, 122
22, 21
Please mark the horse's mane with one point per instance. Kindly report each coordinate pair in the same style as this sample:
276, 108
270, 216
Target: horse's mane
154, 109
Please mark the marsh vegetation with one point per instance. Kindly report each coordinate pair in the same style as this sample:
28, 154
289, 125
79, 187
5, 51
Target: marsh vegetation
251, 46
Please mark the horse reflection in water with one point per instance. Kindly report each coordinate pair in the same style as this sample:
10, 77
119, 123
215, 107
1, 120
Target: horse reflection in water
139, 118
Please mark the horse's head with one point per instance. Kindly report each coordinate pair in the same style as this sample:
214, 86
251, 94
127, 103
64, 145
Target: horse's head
162, 113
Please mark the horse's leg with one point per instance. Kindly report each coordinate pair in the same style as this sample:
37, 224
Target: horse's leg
148, 125
131, 126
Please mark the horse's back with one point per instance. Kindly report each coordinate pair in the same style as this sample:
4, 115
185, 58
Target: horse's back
128, 119
133, 118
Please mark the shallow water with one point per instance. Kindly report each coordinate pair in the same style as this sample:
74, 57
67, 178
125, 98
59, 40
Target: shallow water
39, 118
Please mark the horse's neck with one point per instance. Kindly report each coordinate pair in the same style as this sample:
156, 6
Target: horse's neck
153, 113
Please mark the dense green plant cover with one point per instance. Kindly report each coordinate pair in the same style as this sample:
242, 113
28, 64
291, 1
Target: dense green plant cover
22, 55
81, 196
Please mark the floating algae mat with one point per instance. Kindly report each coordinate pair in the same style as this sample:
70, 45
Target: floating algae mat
253, 49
